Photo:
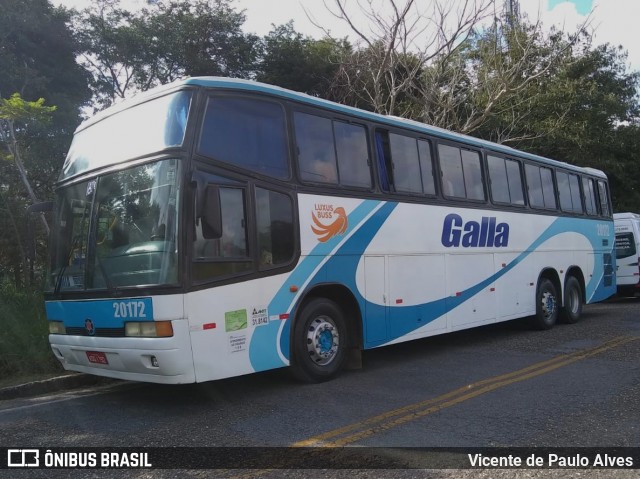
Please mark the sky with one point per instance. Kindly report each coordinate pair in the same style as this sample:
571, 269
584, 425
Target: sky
613, 21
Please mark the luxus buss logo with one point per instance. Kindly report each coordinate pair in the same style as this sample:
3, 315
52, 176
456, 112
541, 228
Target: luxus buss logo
328, 221
23, 458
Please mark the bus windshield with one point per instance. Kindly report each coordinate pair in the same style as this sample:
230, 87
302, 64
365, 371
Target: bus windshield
152, 126
117, 230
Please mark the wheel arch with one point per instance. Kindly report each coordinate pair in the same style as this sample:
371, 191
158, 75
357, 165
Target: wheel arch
552, 275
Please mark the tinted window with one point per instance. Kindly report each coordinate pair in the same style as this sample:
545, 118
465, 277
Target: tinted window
625, 245
426, 167
472, 175
353, 154
506, 181
548, 188
247, 133
406, 163
332, 151
569, 192
316, 153
275, 228
604, 198
461, 173
514, 175
540, 187
228, 254
589, 196
576, 198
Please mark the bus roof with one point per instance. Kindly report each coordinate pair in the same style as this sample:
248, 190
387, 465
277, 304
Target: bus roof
253, 86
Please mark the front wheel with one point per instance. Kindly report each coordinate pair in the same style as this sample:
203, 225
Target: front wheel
546, 305
319, 341
572, 301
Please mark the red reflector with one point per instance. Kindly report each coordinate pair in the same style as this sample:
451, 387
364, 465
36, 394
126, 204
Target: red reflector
97, 357
399, 301
492, 289
209, 326
283, 316
458, 294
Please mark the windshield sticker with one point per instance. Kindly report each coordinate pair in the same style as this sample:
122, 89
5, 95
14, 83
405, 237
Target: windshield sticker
235, 320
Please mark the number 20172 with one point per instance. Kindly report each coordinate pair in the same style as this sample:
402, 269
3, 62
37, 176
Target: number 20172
129, 309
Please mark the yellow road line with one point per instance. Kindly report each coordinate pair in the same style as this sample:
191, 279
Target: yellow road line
383, 422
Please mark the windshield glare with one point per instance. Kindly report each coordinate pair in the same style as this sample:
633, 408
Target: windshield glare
152, 126
118, 230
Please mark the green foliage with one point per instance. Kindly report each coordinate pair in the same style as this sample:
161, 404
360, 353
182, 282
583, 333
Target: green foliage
134, 51
16, 109
300, 63
37, 60
24, 345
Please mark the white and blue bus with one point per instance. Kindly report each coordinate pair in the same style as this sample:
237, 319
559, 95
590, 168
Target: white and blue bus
216, 227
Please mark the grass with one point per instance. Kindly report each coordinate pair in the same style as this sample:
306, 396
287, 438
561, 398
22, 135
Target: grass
25, 354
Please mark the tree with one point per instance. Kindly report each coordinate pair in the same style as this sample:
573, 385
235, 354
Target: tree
15, 112
108, 47
297, 62
393, 50
37, 60
134, 51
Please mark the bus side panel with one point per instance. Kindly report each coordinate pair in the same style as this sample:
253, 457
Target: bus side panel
235, 329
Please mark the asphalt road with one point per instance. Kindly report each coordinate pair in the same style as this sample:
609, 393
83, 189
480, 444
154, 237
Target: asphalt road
497, 386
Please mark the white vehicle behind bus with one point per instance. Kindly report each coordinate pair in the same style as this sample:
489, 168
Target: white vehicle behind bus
627, 227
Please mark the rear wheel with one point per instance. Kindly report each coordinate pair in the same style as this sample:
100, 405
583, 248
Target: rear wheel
546, 305
319, 341
572, 301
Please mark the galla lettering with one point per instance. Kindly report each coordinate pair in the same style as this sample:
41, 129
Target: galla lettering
471, 234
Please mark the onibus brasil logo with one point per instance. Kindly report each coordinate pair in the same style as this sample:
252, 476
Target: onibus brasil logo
328, 221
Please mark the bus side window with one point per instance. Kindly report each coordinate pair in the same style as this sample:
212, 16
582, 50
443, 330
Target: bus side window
589, 196
569, 192
604, 198
384, 160
228, 254
247, 133
316, 151
541, 187
506, 180
353, 154
461, 173
274, 216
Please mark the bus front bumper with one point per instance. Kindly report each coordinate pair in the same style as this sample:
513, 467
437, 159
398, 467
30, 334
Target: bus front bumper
156, 360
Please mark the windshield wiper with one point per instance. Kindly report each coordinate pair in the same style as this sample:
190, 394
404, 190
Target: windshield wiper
76, 241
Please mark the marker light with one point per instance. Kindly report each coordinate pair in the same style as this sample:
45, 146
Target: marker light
57, 327
148, 329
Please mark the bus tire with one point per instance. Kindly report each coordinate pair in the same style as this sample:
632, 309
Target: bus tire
319, 342
572, 301
546, 305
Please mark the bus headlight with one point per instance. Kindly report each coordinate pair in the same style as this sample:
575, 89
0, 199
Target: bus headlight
148, 329
57, 327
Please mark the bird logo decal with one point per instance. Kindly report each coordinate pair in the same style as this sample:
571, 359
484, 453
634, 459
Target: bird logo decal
338, 225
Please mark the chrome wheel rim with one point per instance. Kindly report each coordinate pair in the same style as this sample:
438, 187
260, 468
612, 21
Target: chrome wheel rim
548, 305
323, 340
